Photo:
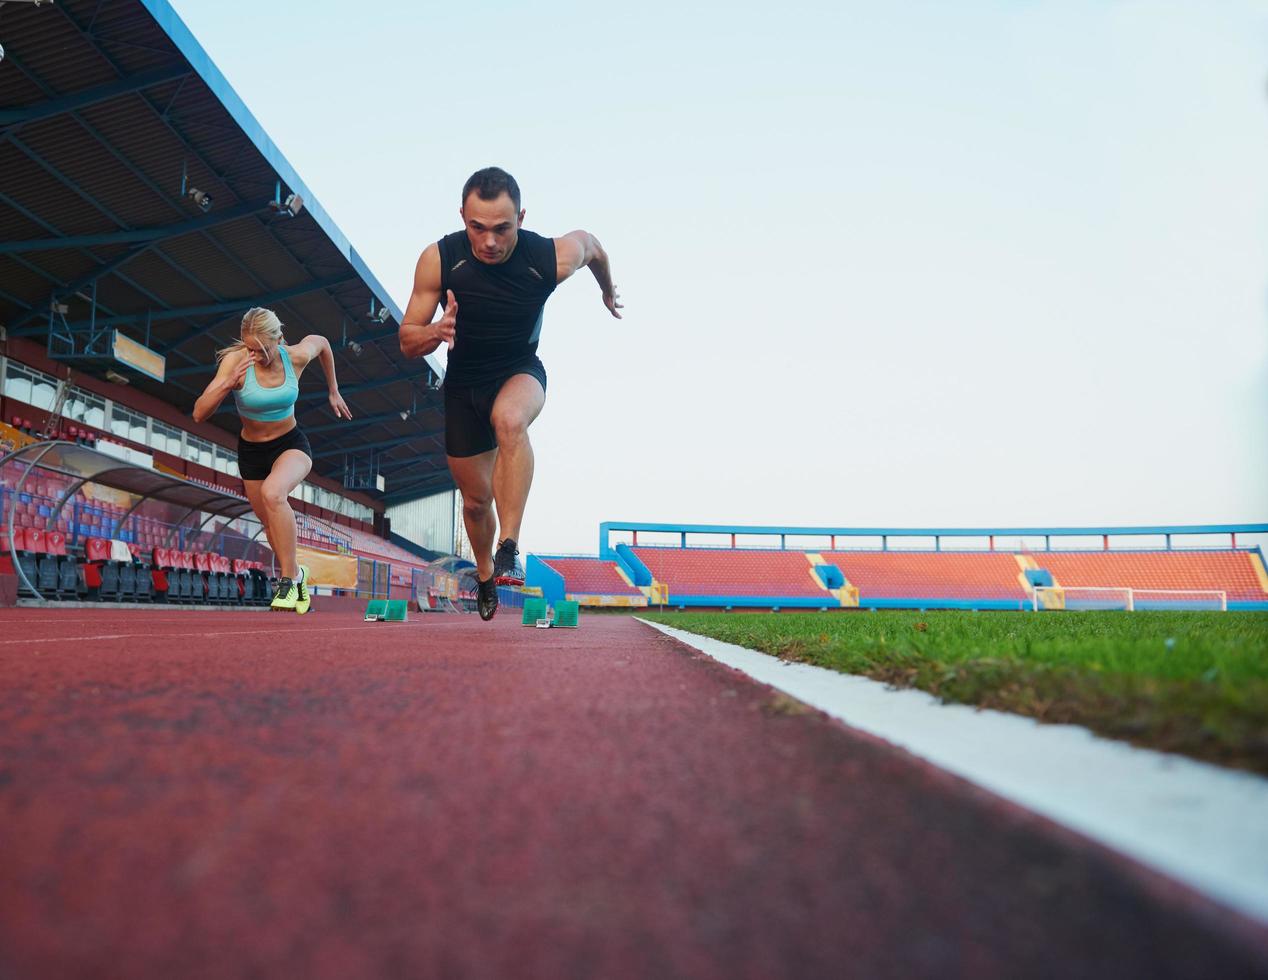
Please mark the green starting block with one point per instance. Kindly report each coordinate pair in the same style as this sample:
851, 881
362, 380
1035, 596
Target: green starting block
566, 614
534, 609
537, 613
387, 611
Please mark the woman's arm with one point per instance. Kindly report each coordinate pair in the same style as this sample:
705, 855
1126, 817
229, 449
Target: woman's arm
229, 377
315, 347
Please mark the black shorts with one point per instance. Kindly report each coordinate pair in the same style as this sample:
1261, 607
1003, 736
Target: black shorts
256, 459
469, 412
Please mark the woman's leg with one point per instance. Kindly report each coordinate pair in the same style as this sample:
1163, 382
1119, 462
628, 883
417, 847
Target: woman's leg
289, 469
255, 493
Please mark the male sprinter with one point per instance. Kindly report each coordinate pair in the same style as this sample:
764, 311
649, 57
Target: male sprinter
495, 277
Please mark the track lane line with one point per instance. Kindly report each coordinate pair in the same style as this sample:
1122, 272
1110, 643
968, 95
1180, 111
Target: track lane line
1196, 822
184, 633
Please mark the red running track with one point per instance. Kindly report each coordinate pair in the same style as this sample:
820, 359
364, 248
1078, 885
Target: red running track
242, 795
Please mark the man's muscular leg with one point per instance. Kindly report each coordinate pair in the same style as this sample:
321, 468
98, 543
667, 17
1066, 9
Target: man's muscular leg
474, 476
518, 403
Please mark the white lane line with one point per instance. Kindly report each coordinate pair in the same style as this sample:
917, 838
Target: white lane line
1201, 824
184, 633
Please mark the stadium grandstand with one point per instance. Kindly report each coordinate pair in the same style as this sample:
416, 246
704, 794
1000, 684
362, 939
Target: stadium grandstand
683, 566
143, 210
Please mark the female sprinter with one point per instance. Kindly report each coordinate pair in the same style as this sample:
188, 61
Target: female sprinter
263, 371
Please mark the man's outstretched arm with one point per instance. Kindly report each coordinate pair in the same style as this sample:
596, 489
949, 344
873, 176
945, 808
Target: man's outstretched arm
418, 334
580, 249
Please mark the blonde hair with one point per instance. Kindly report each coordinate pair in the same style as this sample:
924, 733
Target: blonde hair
260, 322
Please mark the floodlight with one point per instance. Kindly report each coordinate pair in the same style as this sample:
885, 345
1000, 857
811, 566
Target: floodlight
201, 198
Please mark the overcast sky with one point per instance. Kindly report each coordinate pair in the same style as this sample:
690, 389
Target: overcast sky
903, 263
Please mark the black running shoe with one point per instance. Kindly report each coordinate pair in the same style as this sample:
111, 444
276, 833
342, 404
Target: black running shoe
504, 563
486, 598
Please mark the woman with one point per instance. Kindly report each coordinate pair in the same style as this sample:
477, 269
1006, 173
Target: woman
263, 371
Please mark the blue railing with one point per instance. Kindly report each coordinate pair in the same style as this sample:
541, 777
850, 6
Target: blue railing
783, 532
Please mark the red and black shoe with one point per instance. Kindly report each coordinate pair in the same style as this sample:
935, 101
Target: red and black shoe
506, 567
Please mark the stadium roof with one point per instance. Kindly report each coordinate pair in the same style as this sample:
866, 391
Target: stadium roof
140, 194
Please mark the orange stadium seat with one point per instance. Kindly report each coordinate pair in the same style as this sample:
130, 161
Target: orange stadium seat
735, 573
949, 575
1236, 573
591, 576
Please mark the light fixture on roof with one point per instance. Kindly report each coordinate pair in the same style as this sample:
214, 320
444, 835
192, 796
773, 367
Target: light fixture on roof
292, 205
383, 314
201, 198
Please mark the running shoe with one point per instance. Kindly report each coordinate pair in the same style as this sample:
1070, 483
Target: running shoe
506, 568
302, 600
286, 596
486, 598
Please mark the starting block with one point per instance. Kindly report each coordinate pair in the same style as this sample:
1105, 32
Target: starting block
387, 611
537, 613
534, 609
566, 614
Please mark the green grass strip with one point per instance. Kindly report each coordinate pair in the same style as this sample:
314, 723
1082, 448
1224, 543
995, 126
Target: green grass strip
1195, 683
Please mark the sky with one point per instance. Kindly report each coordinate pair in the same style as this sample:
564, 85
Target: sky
899, 264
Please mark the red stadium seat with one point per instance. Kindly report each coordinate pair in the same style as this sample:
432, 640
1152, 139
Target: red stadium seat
592, 576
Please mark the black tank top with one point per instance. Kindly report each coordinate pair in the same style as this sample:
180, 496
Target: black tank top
499, 306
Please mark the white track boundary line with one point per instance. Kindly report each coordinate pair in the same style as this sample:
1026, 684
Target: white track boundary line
1201, 824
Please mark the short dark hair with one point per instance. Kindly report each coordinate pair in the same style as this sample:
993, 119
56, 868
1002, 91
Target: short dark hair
489, 184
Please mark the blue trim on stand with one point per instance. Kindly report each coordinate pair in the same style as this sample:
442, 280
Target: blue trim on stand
632, 565
539, 575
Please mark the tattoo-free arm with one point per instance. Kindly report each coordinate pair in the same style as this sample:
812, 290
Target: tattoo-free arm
580, 249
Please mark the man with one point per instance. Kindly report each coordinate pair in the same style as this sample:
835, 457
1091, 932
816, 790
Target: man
494, 278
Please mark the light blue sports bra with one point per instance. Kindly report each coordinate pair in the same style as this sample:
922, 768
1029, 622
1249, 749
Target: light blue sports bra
260, 404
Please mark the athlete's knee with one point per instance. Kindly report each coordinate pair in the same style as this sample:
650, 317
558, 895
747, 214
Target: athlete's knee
476, 505
509, 427
274, 494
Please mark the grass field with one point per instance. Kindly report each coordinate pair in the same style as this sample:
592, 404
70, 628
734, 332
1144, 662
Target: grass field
1189, 682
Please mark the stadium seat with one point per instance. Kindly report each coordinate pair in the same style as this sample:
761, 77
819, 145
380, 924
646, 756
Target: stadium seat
197, 582
57, 576
160, 570
100, 575
26, 550
1231, 572
592, 576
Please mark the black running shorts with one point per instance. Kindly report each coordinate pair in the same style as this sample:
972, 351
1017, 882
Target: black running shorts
469, 412
256, 459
